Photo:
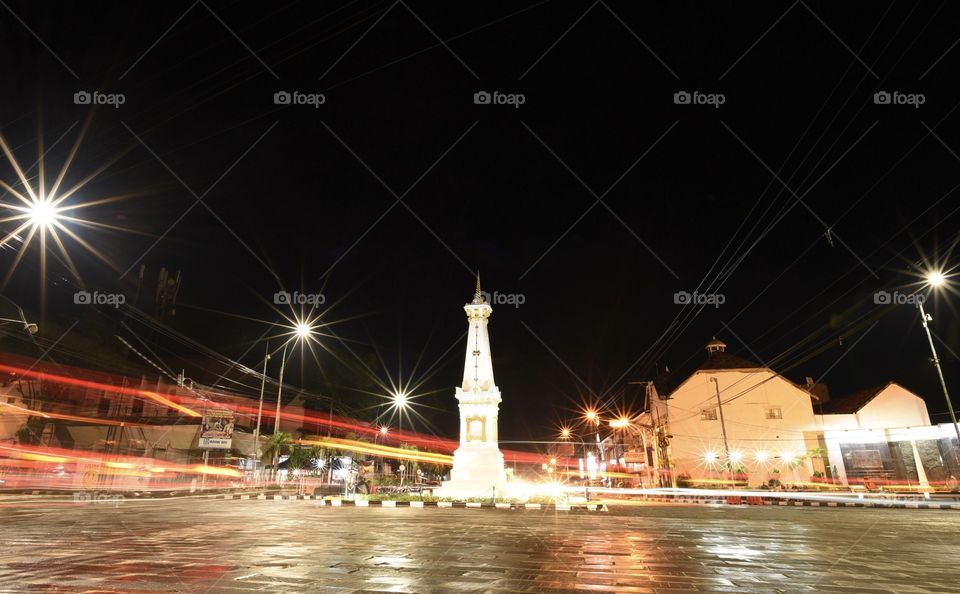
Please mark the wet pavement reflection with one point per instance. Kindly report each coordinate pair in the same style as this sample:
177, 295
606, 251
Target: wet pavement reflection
189, 545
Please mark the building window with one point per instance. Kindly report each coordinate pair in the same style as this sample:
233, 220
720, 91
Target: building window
708, 414
773, 412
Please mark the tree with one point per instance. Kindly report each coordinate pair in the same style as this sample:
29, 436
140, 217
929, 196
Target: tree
305, 457
277, 444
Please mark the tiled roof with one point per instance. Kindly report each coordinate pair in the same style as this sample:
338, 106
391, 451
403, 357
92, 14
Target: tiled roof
669, 381
851, 403
724, 360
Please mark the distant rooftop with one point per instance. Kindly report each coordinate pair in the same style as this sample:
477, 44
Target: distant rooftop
852, 403
717, 359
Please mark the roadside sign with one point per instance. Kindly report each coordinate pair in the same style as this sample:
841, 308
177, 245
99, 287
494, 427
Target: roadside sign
216, 430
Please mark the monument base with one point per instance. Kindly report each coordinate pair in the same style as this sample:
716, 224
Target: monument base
477, 472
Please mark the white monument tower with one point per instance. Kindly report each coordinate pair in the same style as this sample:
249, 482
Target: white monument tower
477, 464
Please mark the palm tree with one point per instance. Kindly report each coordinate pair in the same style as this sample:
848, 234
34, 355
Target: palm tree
277, 444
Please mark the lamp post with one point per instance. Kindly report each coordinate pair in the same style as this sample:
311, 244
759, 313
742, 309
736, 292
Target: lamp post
620, 424
383, 431
256, 430
565, 435
936, 279
276, 418
593, 417
400, 403
300, 332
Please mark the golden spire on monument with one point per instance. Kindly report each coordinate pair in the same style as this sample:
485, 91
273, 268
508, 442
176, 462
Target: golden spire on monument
478, 296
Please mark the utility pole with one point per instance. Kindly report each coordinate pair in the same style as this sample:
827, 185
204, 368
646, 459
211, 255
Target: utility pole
936, 363
256, 429
723, 427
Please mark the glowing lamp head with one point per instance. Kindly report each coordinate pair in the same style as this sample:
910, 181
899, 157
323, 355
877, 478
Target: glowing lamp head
620, 423
400, 399
565, 433
710, 457
553, 461
762, 456
384, 430
42, 213
591, 415
302, 330
935, 278
787, 456
736, 456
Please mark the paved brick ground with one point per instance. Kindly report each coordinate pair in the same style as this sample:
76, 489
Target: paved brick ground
296, 546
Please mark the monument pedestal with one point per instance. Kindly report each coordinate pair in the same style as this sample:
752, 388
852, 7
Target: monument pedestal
477, 472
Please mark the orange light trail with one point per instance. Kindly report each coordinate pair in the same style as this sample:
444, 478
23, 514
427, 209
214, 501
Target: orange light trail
119, 465
70, 381
188, 406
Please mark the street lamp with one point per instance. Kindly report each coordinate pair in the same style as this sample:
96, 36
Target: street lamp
566, 434
593, 417
28, 327
620, 424
936, 279
301, 331
382, 432
400, 402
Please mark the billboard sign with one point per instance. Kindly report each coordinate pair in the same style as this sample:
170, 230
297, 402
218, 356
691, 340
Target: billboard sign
216, 430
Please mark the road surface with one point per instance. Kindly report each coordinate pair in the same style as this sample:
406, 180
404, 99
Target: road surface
194, 545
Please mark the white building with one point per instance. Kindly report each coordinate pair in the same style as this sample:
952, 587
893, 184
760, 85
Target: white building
734, 419
730, 408
883, 435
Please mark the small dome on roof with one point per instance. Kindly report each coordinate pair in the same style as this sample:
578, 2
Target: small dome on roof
716, 346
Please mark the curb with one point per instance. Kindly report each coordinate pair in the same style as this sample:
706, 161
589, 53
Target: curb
738, 500
414, 504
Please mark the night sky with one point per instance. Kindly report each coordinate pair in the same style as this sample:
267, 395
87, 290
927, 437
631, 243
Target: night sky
597, 199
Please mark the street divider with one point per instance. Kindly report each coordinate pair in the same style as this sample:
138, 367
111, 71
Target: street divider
418, 504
